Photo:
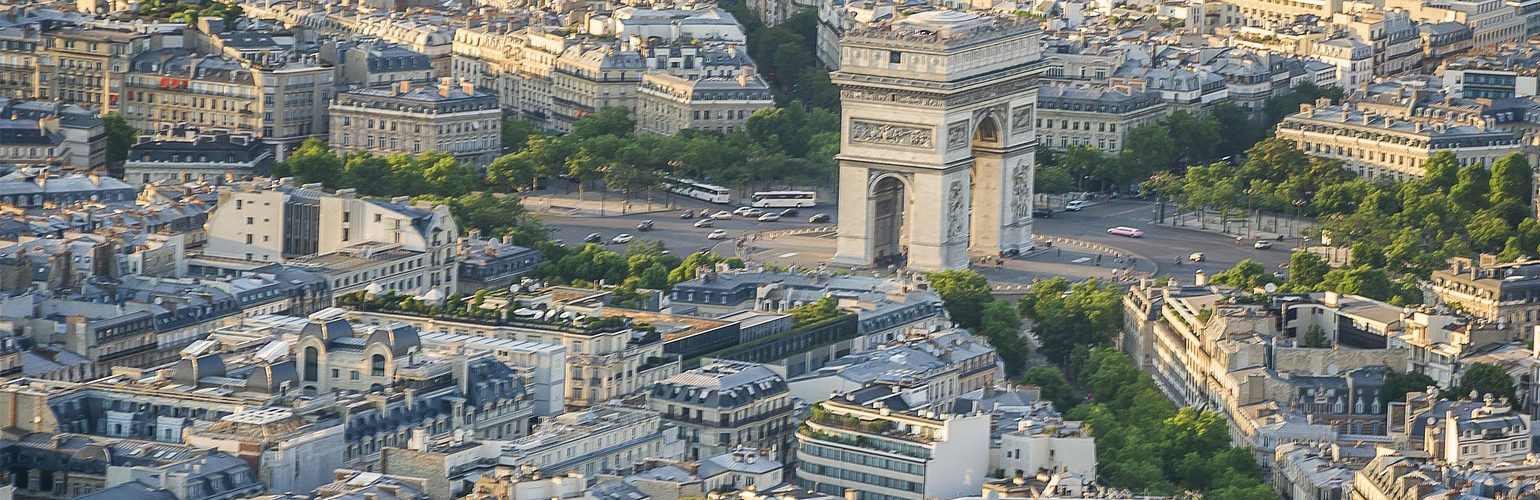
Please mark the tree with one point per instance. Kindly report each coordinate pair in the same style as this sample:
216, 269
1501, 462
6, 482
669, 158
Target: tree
1083, 314
516, 134
1052, 179
1315, 337
1471, 190
120, 137
813, 312
312, 162
1001, 326
1149, 149
1307, 270
1512, 180
1052, 385
494, 214
1398, 384
448, 176
964, 292
1238, 130
1442, 172
367, 173
1483, 379
1194, 139
608, 121
1363, 280
513, 171
1246, 275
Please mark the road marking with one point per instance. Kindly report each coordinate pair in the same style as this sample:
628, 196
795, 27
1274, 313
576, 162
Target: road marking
786, 255
1081, 260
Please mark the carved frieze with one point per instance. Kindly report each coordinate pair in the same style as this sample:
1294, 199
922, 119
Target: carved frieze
957, 135
892, 134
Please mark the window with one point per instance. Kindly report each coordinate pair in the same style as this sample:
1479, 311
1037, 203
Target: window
353, 375
377, 365
895, 57
310, 361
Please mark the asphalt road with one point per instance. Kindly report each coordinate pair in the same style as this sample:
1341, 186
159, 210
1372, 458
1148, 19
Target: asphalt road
1162, 244
678, 235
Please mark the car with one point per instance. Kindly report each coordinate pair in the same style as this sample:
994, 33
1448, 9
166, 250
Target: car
722, 215
1042, 213
705, 212
1126, 231
742, 210
1262, 244
720, 234
1074, 206
818, 218
646, 225
770, 217
705, 223
753, 212
593, 238
622, 238
1196, 257
687, 215
790, 212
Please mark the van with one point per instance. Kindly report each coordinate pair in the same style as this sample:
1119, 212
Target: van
1074, 206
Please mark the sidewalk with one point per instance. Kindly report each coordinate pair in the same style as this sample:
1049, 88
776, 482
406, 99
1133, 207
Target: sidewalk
1271, 226
594, 204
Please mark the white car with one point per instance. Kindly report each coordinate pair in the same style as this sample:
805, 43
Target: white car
1074, 206
722, 215
622, 238
1262, 244
770, 217
753, 212
720, 234
704, 223
742, 210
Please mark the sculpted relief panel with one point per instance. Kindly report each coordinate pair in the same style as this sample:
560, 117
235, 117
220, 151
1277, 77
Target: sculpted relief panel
893, 134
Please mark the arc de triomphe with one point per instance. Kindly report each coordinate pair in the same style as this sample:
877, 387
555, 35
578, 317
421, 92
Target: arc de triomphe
936, 153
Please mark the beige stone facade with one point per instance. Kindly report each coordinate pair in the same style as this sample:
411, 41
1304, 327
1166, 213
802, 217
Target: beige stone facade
455, 119
1374, 145
669, 104
937, 139
1096, 117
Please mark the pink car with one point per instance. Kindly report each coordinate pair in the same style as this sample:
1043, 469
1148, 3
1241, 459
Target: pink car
1126, 231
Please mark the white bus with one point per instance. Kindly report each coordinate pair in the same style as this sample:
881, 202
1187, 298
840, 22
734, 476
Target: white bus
700, 190
784, 199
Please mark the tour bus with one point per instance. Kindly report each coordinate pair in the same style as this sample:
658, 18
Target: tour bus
783, 199
699, 190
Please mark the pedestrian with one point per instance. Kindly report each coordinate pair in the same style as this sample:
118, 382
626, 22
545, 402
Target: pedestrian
1058, 252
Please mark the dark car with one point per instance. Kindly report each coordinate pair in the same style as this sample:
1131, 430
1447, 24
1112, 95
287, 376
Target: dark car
818, 218
1042, 213
687, 215
593, 238
646, 225
790, 212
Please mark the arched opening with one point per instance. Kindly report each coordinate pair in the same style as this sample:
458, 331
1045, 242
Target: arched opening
988, 133
987, 178
890, 206
377, 365
311, 362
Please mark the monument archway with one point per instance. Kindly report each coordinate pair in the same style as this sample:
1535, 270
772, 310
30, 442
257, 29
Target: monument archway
936, 154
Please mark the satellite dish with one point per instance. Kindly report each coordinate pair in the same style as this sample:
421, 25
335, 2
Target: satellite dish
1270, 287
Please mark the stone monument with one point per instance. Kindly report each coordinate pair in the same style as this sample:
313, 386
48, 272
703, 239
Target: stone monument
936, 154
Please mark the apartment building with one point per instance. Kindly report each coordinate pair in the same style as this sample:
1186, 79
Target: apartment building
848, 446
1098, 117
1492, 22
373, 63
1353, 59
726, 405
937, 367
588, 78
454, 119
1380, 145
605, 438
1508, 293
669, 104
44, 133
1269, 13
1443, 41
602, 362
184, 155
1391, 34
356, 243
87, 66
166, 88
